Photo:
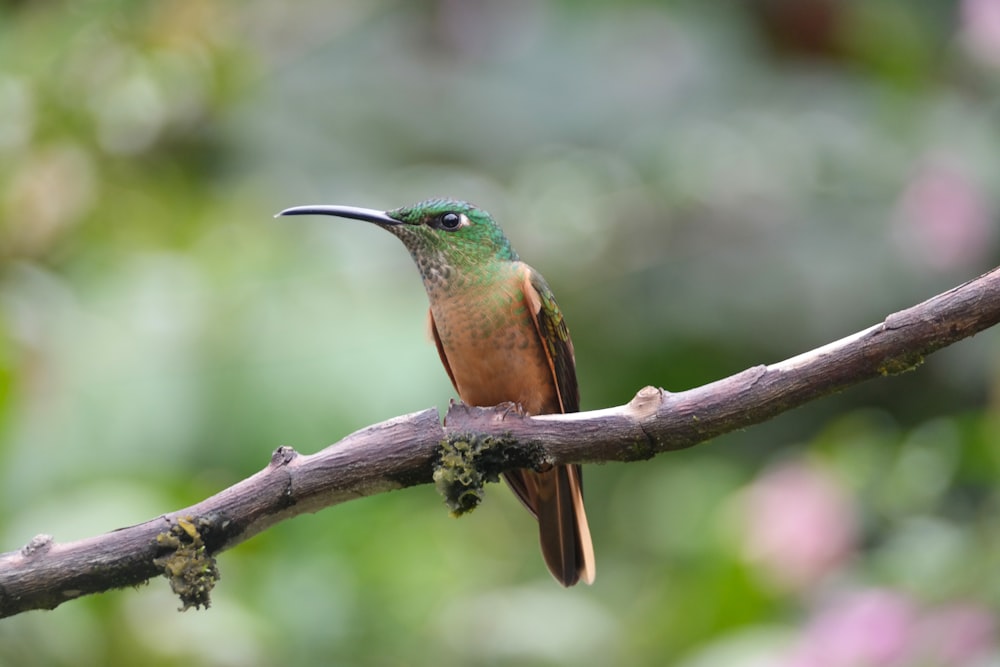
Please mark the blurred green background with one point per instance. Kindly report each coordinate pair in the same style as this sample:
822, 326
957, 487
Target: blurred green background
706, 186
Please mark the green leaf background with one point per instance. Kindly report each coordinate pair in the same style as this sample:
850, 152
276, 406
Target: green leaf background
706, 186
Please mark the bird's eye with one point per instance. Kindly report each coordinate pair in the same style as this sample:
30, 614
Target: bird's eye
450, 220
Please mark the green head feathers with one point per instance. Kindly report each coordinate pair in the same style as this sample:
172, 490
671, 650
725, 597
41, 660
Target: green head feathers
461, 235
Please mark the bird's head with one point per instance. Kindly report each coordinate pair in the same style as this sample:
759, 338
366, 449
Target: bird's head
442, 235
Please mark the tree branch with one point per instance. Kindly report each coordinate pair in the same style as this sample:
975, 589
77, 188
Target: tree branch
477, 443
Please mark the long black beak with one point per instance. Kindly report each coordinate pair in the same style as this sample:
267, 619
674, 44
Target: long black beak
353, 212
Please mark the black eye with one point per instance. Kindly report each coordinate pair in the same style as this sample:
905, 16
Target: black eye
450, 220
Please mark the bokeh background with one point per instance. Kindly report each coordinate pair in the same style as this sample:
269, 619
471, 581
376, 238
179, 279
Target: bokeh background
706, 186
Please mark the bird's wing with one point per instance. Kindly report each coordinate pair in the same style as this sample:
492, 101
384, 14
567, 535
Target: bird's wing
554, 334
440, 348
555, 496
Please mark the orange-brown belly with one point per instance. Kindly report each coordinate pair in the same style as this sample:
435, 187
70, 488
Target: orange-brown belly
497, 359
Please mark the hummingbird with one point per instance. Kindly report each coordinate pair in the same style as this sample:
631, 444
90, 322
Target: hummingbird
501, 338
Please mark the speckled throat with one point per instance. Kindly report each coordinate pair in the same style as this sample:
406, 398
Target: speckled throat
450, 265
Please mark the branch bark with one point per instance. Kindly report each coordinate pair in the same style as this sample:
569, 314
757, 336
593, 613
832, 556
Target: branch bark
406, 451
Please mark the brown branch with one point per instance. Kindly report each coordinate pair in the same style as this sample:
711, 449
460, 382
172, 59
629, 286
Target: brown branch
416, 449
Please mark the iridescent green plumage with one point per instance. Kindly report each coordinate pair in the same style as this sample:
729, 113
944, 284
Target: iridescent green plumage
501, 337
473, 249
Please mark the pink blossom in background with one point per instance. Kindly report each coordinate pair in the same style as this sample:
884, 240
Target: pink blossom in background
798, 525
943, 219
870, 628
957, 635
980, 30
885, 628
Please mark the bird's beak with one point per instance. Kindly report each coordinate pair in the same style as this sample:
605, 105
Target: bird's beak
353, 212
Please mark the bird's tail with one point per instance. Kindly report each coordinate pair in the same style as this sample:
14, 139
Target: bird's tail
555, 498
